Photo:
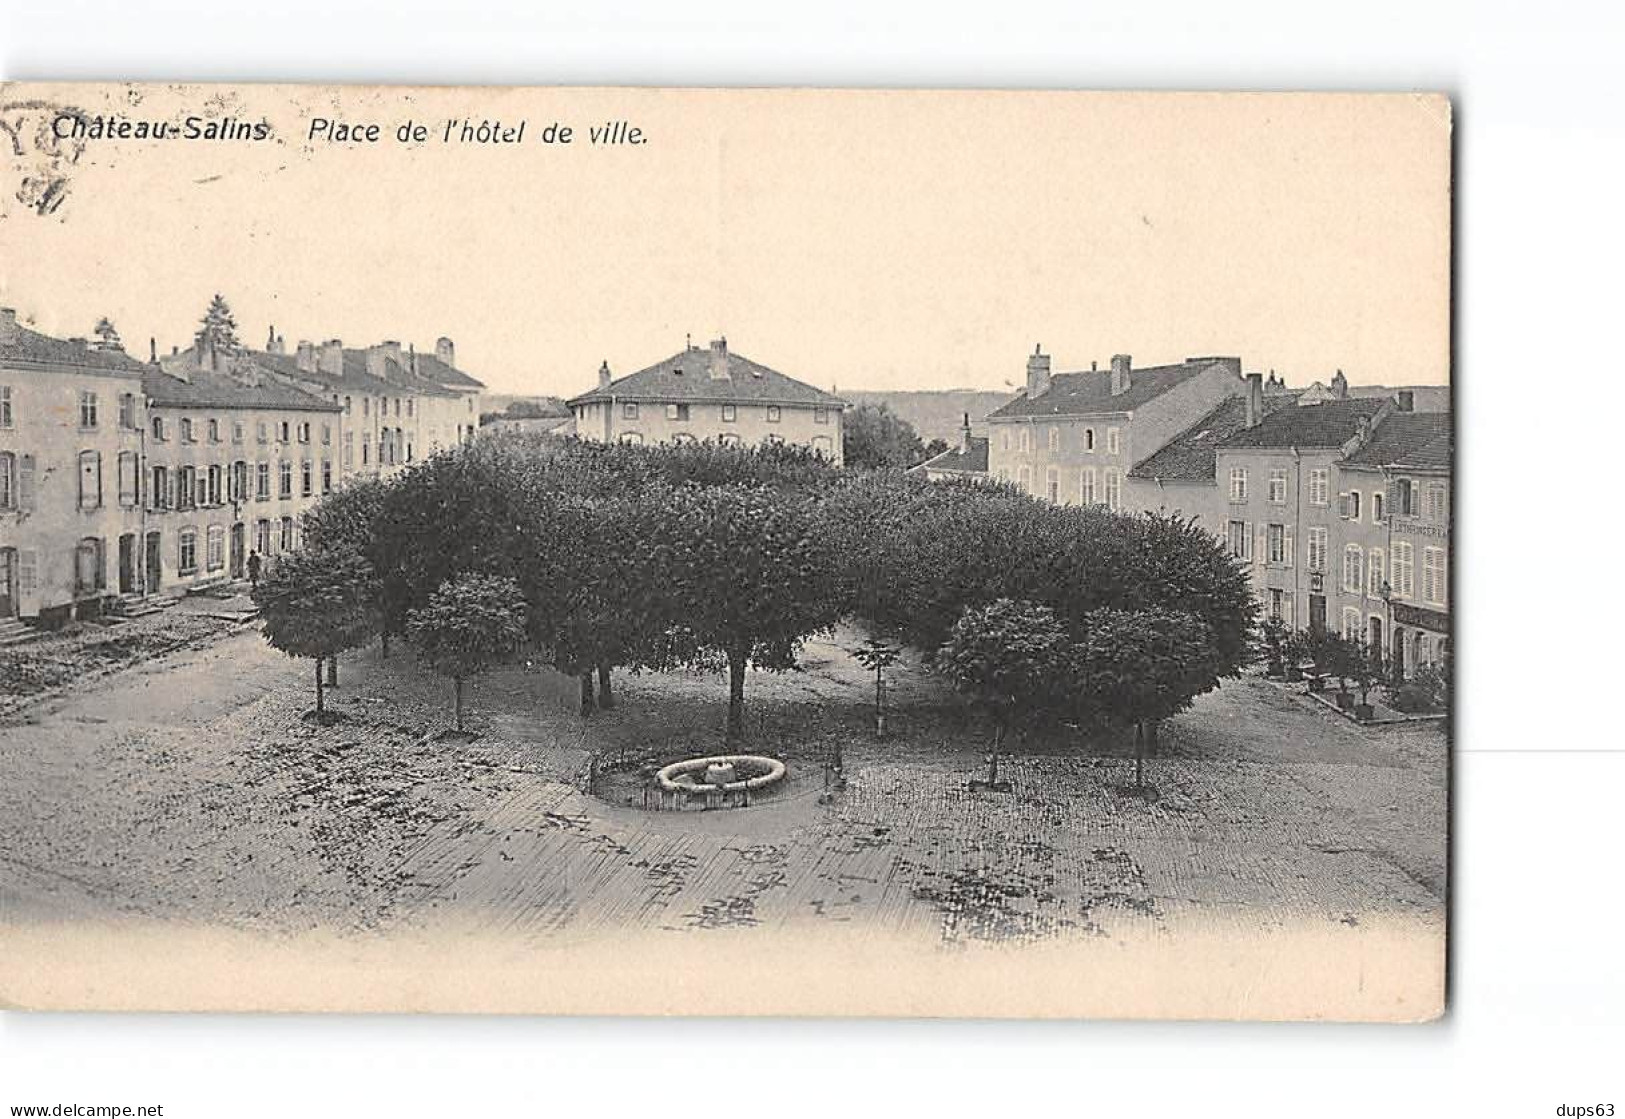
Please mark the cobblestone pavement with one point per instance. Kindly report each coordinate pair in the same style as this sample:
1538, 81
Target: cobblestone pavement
192, 789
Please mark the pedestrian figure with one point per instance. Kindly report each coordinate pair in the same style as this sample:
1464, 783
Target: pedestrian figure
254, 569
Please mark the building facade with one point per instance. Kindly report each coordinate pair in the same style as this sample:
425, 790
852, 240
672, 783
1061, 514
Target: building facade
1071, 438
967, 459
710, 395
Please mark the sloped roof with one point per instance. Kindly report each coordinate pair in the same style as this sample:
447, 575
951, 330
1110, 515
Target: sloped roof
1409, 441
30, 347
433, 369
252, 386
1193, 454
1090, 393
1305, 425
973, 461
398, 377
686, 376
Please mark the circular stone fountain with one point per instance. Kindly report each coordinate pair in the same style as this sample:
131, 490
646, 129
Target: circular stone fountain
730, 773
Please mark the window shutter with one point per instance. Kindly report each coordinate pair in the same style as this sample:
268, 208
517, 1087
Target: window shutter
27, 573
1261, 553
1343, 506
1290, 549
25, 482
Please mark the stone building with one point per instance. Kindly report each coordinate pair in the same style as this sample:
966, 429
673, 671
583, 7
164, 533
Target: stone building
71, 421
712, 394
966, 459
1071, 438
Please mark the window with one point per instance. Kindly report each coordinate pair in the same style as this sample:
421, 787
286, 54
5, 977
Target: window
5, 405
366, 404
366, 449
158, 432
158, 497
327, 435
1054, 438
820, 415
1114, 489
1317, 486
1112, 440
282, 431
1089, 439
1403, 498
126, 410
239, 481
8, 480
1275, 544
216, 547
1376, 508
730, 413
409, 406
304, 432
87, 409
284, 479
215, 476
129, 479
90, 569
214, 431
1276, 602
347, 406
823, 446
262, 536
187, 556
236, 431
349, 449
1404, 571
1375, 572
1238, 484
1004, 440
772, 413
1317, 549
684, 439
262, 481
288, 538
1354, 505
1352, 623
187, 434
1277, 487
305, 479
1353, 569
327, 476
730, 439
1433, 575
261, 432
629, 410
678, 412
1435, 507
1052, 484
632, 438
1237, 539
186, 487
90, 480
1024, 479
1086, 493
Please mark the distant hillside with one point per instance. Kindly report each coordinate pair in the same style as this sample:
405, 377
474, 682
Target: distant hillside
936, 414
545, 405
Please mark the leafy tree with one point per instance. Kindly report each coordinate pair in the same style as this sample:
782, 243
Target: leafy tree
1366, 671
874, 436
750, 579
218, 329
469, 624
1138, 667
108, 334
1273, 633
353, 516
1012, 659
318, 602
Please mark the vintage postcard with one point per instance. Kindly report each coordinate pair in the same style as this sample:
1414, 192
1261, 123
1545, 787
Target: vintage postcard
657, 551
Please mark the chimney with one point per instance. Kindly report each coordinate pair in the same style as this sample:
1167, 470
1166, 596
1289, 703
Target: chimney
719, 360
1407, 400
152, 351
380, 357
1340, 386
305, 356
1120, 370
1037, 372
445, 352
331, 358
205, 353
964, 436
273, 342
603, 376
1255, 399
8, 325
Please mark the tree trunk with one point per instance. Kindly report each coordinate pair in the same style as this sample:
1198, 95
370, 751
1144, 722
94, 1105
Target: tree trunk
1152, 745
320, 710
606, 698
736, 696
586, 693
332, 672
457, 700
1139, 755
993, 756
880, 706
383, 636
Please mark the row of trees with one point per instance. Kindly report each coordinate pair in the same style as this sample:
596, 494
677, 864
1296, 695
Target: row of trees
722, 557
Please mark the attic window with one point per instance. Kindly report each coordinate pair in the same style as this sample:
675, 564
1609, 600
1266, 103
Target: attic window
678, 370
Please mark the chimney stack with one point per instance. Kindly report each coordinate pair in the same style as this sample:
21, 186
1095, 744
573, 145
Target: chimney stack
8, 325
274, 343
964, 436
331, 358
1120, 372
1037, 372
1340, 386
445, 352
1255, 399
1407, 400
719, 360
152, 351
205, 353
603, 376
305, 356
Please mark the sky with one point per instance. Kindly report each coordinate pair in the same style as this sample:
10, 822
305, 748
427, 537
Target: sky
860, 240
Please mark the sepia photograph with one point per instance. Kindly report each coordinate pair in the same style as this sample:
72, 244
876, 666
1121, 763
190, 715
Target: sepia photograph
652, 551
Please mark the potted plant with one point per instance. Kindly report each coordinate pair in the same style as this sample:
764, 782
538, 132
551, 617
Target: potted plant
1367, 672
1274, 635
